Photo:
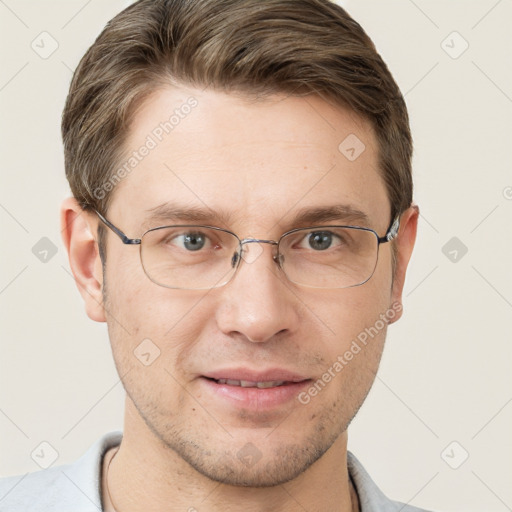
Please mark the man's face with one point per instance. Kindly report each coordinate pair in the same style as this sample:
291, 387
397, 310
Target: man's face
261, 163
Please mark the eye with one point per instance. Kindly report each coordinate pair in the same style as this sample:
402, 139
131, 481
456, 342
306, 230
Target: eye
193, 241
320, 240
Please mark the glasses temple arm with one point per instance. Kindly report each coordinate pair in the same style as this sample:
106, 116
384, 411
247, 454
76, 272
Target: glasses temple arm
392, 231
117, 231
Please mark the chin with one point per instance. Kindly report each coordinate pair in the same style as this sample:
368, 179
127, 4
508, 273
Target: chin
261, 463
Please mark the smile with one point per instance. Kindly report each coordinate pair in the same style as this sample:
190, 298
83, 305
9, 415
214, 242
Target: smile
256, 395
251, 384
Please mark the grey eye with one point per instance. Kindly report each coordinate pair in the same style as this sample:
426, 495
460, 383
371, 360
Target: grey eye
194, 241
320, 240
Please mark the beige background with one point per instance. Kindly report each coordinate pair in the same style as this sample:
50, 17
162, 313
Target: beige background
446, 371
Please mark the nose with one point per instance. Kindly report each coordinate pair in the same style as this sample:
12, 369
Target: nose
257, 303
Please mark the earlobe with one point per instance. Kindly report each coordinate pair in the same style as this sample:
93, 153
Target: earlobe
405, 244
77, 228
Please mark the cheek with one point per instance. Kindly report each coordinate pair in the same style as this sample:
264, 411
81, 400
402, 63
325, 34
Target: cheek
151, 330
356, 320
349, 311
139, 305
148, 322
353, 357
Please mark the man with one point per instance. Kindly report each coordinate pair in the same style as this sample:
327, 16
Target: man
242, 220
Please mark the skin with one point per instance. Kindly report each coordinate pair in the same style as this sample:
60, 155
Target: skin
261, 161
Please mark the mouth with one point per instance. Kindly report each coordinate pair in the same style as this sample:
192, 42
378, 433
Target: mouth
253, 391
252, 384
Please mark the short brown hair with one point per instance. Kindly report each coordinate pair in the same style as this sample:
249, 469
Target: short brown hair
251, 46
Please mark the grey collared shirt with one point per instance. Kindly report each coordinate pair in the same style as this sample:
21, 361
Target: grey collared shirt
76, 487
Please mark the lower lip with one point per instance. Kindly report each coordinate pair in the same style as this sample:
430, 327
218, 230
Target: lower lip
255, 398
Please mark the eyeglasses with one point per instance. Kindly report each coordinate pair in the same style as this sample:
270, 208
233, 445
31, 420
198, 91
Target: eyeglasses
194, 257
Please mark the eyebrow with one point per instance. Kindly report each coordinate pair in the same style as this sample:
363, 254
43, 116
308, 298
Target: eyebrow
171, 212
342, 212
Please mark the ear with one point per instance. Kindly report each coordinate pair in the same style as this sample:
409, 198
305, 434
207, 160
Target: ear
77, 228
405, 244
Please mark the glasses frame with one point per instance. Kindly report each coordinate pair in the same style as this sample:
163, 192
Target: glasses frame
391, 234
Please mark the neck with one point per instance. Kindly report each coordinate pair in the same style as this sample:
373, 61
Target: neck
146, 475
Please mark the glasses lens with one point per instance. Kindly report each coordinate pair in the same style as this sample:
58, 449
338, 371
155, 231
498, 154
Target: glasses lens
329, 257
189, 257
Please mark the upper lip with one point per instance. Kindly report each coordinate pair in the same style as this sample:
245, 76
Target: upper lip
272, 374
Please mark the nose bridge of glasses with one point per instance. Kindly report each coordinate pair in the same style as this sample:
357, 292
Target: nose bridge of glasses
257, 240
257, 250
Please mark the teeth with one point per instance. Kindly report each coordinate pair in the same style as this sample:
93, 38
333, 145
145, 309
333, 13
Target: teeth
251, 384
270, 384
248, 384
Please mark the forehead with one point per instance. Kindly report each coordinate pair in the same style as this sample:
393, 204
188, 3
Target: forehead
254, 162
